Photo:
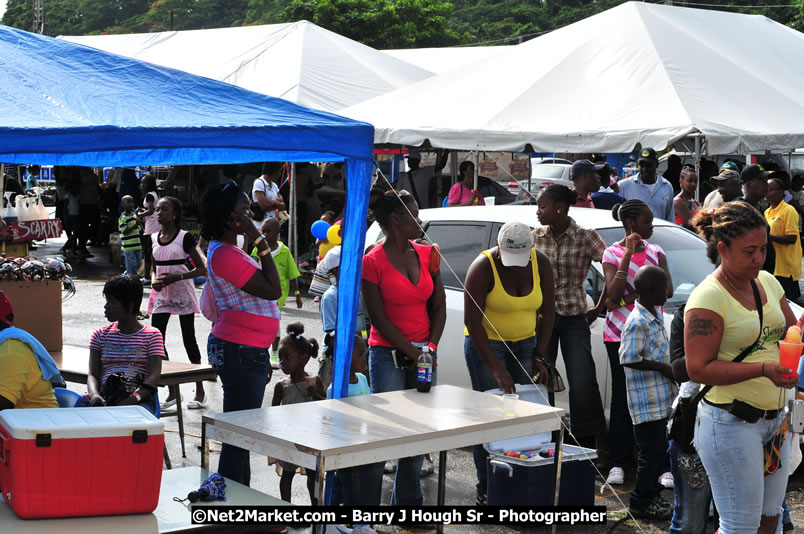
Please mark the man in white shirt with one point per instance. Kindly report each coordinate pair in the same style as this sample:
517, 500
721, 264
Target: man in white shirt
422, 176
265, 191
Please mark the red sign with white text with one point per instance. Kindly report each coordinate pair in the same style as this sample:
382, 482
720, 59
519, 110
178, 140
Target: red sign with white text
30, 230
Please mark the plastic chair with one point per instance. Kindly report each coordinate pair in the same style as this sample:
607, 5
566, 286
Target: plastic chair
67, 398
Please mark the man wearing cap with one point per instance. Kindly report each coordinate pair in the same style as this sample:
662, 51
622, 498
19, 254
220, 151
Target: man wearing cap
27, 371
585, 179
417, 179
755, 187
650, 188
728, 189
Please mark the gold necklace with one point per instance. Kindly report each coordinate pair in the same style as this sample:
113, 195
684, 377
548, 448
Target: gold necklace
741, 293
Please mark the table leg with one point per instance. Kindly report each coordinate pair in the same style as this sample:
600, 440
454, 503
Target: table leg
175, 391
204, 447
442, 482
557, 461
166, 456
320, 474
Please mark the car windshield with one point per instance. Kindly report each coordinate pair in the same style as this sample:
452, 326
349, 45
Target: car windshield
686, 257
547, 171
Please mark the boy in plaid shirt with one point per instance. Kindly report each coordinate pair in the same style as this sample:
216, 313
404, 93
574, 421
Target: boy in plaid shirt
645, 357
129, 226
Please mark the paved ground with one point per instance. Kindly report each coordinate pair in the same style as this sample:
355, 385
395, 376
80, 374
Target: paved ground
84, 312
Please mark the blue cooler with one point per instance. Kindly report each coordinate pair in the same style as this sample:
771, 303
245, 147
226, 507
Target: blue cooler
529, 482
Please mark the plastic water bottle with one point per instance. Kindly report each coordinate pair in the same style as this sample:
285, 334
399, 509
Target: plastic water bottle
425, 367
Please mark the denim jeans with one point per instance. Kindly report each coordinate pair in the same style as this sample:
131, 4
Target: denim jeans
385, 377
651, 442
132, 259
360, 485
691, 490
516, 356
621, 428
586, 409
244, 372
732, 453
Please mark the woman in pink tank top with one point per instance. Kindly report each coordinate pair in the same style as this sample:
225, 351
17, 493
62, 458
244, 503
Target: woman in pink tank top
620, 264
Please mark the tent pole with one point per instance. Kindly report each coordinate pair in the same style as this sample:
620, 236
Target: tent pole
697, 156
3, 184
477, 161
191, 192
790, 161
293, 222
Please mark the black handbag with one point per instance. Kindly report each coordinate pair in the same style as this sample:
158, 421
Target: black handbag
257, 213
682, 420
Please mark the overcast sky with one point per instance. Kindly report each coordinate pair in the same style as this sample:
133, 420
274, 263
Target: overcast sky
2, 7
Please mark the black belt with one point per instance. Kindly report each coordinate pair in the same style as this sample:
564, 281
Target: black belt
745, 411
163, 263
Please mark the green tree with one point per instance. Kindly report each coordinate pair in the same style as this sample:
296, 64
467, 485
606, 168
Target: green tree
381, 23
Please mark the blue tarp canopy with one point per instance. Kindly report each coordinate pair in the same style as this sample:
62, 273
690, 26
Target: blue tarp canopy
66, 104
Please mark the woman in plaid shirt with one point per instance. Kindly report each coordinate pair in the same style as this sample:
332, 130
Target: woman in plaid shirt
571, 250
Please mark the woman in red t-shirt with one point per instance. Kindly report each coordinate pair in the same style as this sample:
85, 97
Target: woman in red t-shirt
399, 278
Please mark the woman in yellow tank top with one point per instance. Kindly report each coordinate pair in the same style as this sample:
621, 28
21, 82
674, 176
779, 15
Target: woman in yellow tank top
509, 294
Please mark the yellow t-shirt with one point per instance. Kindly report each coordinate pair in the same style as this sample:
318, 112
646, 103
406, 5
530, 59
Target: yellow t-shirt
740, 329
783, 220
21, 379
514, 318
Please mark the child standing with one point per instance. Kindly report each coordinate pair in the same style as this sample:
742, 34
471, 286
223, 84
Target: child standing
360, 485
173, 291
131, 246
294, 352
650, 388
288, 272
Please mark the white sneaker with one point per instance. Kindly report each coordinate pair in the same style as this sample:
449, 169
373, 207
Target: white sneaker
666, 480
616, 476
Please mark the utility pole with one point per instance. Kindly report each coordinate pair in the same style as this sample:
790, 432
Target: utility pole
38, 16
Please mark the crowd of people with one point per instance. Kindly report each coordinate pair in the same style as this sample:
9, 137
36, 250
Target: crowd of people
524, 298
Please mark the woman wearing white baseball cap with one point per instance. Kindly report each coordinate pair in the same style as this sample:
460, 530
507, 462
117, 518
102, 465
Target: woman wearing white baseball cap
509, 291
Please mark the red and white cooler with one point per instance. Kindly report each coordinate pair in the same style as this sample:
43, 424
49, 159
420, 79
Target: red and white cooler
68, 462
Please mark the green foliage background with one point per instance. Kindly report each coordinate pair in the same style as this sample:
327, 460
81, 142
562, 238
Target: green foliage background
377, 23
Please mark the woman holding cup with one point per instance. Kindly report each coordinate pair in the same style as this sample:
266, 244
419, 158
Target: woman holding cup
741, 414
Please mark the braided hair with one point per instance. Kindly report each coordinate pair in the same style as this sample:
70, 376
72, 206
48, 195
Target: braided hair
560, 194
686, 170
630, 209
301, 344
729, 221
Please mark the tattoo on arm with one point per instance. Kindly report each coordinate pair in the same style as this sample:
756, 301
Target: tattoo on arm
699, 327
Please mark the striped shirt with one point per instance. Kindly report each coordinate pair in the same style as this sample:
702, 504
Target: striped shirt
650, 393
658, 196
126, 353
615, 319
129, 232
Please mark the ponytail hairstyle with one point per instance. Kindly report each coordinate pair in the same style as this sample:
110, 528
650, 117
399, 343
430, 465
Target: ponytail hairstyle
630, 209
560, 194
389, 202
729, 221
301, 344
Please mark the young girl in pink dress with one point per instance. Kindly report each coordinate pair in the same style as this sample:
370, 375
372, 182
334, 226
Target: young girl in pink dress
172, 289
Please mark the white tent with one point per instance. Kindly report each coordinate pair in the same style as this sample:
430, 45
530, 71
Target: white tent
299, 61
440, 60
637, 73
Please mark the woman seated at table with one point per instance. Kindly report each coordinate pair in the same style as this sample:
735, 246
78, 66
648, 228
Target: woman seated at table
125, 356
27, 371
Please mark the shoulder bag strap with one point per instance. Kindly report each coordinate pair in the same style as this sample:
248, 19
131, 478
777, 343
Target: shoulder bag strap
744, 354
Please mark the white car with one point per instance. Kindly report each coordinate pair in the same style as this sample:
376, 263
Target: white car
463, 232
541, 176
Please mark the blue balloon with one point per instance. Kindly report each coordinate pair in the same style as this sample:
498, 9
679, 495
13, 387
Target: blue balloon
319, 229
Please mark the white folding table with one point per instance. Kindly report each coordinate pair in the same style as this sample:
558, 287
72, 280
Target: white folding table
334, 434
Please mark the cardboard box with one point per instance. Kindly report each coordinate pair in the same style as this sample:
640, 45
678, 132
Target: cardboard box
37, 309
